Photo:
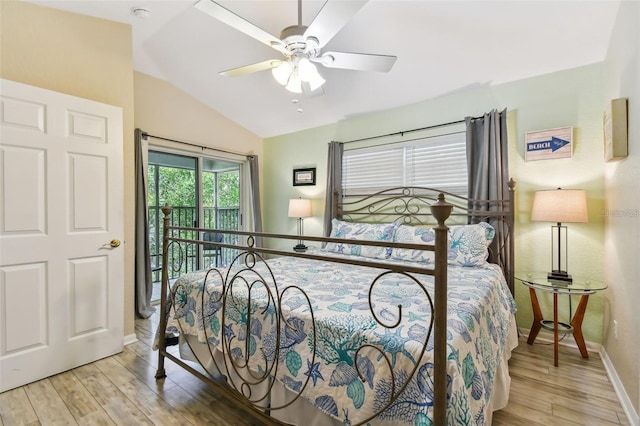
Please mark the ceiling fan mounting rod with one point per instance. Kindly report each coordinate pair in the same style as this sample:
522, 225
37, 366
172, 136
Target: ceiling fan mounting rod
299, 13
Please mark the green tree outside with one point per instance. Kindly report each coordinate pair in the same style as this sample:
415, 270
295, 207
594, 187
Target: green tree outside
229, 189
176, 188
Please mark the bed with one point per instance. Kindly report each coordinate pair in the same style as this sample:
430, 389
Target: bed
398, 318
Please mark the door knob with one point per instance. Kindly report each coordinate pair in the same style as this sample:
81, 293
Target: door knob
115, 243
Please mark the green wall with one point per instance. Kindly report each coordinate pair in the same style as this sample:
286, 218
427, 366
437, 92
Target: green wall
567, 98
622, 231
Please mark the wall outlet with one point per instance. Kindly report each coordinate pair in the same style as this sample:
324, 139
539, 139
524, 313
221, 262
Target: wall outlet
615, 329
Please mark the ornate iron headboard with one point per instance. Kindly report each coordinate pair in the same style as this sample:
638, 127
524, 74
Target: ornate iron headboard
410, 205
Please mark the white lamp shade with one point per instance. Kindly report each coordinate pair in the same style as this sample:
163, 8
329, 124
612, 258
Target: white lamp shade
299, 207
292, 73
294, 84
309, 74
282, 72
560, 205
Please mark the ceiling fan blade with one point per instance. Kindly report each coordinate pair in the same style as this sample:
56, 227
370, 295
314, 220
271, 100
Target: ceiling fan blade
234, 21
332, 17
248, 69
356, 61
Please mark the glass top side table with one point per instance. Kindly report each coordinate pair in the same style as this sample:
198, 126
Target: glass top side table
580, 286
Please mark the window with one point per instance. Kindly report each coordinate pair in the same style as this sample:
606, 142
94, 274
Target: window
435, 162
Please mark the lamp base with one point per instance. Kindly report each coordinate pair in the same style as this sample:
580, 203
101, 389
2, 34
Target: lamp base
560, 276
300, 248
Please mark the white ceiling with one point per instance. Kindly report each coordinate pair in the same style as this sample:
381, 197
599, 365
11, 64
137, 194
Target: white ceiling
442, 47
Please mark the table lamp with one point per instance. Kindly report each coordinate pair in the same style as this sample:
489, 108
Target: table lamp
560, 206
300, 208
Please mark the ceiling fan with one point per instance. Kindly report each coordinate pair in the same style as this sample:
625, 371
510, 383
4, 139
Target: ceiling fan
302, 45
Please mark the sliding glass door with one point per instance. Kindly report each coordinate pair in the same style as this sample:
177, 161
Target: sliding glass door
202, 191
221, 205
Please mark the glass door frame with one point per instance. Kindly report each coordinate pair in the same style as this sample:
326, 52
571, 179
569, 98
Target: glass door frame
199, 158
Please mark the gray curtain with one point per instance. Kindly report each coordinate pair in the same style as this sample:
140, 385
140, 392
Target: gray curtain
254, 173
334, 182
489, 171
143, 284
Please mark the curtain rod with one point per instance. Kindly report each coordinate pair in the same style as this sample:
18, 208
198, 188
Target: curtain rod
401, 133
147, 135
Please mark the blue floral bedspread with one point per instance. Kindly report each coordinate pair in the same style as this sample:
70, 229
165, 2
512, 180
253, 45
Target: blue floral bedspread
317, 354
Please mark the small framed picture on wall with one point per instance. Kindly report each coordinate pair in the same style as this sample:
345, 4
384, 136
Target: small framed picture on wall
303, 177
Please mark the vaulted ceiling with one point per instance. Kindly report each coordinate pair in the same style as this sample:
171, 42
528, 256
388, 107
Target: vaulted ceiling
441, 46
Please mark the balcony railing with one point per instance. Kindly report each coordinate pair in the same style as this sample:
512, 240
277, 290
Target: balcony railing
226, 218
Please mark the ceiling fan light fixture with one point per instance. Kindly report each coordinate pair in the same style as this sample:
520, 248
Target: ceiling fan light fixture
293, 73
282, 72
295, 84
309, 74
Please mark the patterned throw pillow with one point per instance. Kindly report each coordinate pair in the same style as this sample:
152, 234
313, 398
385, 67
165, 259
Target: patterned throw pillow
470, 244
362, 232
414, 235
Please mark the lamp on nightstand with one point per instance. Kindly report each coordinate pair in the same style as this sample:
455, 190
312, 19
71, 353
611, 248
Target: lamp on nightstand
300, 208
559, 206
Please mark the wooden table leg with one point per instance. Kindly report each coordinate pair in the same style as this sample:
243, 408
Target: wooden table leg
537, 317
555, 329
576, 323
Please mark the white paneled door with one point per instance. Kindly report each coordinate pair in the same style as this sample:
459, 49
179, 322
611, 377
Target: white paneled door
61, 222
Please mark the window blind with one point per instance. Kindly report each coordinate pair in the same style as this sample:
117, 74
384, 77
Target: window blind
437, 162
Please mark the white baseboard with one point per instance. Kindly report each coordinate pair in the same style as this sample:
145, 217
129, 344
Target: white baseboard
623, 397
627, 406
131, 338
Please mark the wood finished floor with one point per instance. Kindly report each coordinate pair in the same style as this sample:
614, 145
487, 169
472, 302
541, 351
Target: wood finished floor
122, 390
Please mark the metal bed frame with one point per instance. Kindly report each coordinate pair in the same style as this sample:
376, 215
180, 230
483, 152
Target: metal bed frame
407, 205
